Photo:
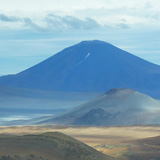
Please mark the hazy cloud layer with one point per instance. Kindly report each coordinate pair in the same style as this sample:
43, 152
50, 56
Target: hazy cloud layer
70, 22
5, 18
50, 22
53, 15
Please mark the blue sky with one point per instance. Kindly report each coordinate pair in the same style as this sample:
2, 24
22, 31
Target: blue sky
33, 30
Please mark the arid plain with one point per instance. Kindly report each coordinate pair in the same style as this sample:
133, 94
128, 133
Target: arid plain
128, 142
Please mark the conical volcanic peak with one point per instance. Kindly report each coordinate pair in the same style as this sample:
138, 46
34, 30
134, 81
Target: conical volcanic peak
96, 47
94, 42
89, 66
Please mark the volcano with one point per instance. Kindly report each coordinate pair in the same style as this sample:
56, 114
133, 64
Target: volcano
121, 106
90, 66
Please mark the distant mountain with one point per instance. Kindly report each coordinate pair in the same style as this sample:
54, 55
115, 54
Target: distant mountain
116, 107
50, 146
90, 66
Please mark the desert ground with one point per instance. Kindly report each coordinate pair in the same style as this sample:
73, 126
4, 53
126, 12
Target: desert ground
128, 142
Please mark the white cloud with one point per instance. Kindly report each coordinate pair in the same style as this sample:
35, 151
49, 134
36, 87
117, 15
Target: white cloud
45, 5
113, 13
50, 22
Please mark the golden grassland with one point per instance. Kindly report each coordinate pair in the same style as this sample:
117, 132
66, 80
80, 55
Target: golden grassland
113, 141
90, 135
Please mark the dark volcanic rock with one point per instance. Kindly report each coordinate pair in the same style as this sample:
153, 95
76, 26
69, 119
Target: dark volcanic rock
94, 117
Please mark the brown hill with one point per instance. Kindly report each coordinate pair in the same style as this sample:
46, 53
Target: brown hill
50, 146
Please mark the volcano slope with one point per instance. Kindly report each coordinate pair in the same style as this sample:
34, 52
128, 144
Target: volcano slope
116, 107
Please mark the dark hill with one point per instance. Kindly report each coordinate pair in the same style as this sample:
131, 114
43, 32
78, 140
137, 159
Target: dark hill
21, 157
50, 146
